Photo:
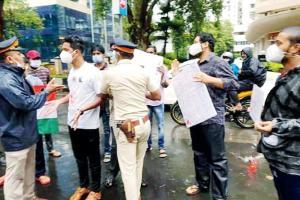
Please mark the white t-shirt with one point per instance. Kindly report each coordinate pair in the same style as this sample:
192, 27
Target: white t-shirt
128, 83
84, 84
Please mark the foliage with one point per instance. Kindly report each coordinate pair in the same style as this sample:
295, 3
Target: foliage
140, 27
274, 67
222, 34
19, 16
102, 8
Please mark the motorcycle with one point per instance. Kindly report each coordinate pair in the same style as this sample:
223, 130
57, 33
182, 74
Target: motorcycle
241, 118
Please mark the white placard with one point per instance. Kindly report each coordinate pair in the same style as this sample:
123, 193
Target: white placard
193, 97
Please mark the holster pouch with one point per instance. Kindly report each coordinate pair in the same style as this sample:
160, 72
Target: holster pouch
128, 129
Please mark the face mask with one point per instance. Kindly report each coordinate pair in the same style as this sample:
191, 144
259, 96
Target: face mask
66, 57
18, 64
98, 58
274, 54
35, 63
227, 59
195, 49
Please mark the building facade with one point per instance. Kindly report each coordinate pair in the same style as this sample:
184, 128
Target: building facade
271, 17
63, 18
240, 13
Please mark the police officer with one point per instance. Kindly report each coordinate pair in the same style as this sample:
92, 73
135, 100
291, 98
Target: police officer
128, 83
18, 122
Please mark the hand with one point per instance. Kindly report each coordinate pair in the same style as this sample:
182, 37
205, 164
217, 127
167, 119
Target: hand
51, 106
175, 66
52, 87
74, 121
203, 78
264, 127
162, 70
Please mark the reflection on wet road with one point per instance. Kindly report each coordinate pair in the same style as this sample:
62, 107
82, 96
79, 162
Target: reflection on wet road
250, 178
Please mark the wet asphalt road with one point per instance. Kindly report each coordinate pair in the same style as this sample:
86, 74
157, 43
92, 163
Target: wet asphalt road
167, 178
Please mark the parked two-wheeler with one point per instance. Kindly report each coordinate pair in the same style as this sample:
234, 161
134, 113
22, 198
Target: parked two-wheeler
241, 118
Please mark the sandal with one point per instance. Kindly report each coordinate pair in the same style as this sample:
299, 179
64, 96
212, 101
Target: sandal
192, 190
162, 153
54, 153
43, 180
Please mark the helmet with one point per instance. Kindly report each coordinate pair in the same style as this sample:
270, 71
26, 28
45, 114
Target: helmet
227, 54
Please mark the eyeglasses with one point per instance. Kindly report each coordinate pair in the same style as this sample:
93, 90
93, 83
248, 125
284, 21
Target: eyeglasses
150, 52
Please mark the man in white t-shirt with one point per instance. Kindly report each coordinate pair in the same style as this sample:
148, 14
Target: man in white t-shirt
84, 83
128, 83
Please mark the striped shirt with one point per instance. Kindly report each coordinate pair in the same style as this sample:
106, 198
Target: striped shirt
41, 72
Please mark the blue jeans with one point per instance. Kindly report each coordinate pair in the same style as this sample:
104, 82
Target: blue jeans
287, 185
158, 112
104, 113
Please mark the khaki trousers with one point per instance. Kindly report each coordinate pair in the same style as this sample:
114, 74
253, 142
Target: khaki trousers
19, 175
131, 159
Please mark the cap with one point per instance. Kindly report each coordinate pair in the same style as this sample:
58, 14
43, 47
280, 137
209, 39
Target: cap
10, 45
123, 45
32, 54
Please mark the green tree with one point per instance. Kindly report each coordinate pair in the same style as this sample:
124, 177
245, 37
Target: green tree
139, 24
1, 20
19, 16
222, 33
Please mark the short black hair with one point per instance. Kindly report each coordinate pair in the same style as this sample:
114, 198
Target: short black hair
76, 42
126, 55
207, 37
153, 47
97, 47
294, 34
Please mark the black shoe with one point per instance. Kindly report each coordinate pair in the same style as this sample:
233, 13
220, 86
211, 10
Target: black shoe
144, 183
203, 189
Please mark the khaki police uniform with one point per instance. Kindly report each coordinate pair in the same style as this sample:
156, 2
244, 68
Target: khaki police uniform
128, 83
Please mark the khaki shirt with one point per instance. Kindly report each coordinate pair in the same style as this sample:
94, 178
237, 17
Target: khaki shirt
128, 84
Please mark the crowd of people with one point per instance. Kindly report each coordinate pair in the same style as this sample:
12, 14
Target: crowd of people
127, 97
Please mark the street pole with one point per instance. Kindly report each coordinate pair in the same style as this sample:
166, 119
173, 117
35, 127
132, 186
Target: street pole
92, 21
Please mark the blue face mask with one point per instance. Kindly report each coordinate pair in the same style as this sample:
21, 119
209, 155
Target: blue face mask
98, 58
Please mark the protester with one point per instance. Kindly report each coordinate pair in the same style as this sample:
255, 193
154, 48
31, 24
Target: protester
37, 70
98, 53
280, 125
228, 57
208, 137
252, 72
18, 122
84, 83
157, 108
127, 83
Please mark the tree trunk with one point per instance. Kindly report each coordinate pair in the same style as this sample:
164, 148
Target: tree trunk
1, 20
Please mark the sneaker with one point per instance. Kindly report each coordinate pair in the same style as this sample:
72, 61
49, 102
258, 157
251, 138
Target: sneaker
162, 153
107, 157
43, 180
79, 193
149, 148
94, 196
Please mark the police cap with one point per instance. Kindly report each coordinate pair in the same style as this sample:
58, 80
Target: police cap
10, 45
123, 45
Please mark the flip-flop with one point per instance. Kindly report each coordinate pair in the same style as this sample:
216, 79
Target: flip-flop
192, 190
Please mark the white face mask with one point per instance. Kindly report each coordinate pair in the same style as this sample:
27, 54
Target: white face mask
66, 57
18, 64
98, 58
274, 54
195, 49
35, 63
